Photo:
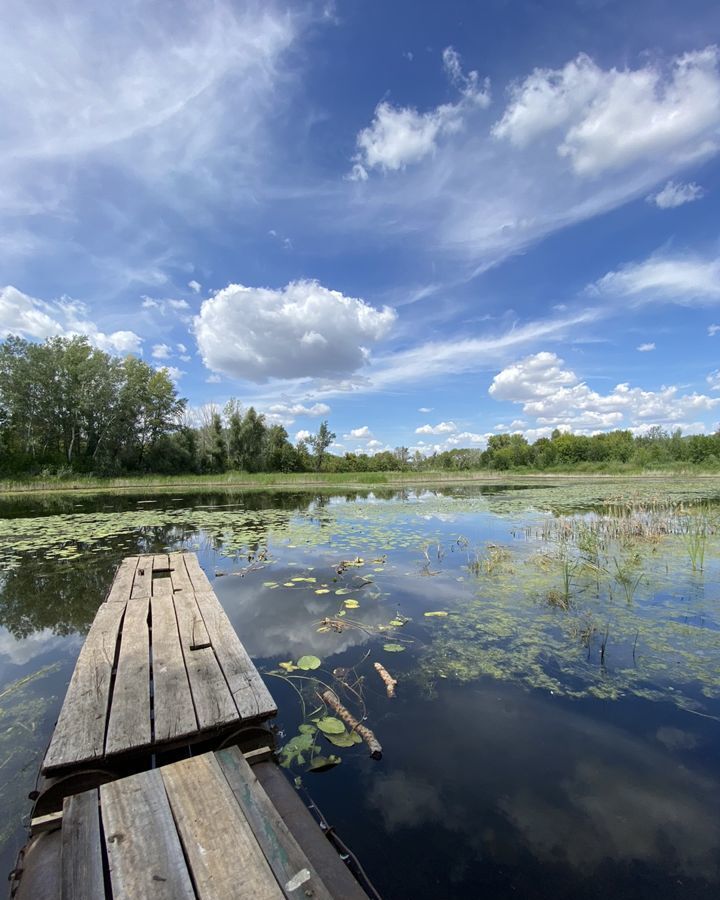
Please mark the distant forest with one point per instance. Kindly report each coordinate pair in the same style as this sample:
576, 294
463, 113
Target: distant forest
67, 407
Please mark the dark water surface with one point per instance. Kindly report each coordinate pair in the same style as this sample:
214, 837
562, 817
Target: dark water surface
556, 732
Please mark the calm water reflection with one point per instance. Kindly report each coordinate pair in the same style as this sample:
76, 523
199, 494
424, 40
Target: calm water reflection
489, 786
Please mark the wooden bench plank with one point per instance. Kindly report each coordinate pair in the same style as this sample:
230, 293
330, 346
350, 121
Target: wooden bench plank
223, 854
123, 581
293, 871
174, 712
129, 722
246, 685
142, 583
81, 853
212, 699
144, 851
80, 730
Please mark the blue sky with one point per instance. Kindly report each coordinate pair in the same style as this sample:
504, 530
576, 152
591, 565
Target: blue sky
425, 222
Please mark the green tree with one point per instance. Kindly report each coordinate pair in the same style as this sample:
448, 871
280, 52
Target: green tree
320, 443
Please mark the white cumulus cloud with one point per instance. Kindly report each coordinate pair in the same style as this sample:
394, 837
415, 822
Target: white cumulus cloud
30, 317
400, 135
161, 351
554, 397
440, 428
615, 117
361, 433
303, 330
645, 348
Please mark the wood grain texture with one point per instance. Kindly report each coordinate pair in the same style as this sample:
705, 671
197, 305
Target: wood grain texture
142, 583
174, 712
198, 578
129, 722
246, 685
280, 848
143, 847
81, 855
212, 699
80, 730
178, 575
224, 856
123, 581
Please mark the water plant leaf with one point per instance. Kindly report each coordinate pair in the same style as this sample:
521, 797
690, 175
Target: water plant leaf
323, 763
331, 725
398, 623
288, 666
322, 591
393, 648
270, 584
439, 613
307, 728
308, 662
351, 604
348, 739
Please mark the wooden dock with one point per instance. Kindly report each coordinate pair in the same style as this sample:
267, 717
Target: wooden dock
148, 789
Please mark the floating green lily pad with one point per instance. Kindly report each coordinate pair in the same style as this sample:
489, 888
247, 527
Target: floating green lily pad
308, 662
393, 648
330, 725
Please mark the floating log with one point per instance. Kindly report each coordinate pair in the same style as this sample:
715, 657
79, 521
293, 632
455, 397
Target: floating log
349, 719
387, 678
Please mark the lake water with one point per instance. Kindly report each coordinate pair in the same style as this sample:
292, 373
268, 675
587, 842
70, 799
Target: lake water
556, 730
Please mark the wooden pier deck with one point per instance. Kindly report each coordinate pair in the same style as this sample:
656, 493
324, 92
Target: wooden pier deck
158, 781
161, 667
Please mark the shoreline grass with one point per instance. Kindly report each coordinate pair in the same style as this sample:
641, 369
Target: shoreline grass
305, 480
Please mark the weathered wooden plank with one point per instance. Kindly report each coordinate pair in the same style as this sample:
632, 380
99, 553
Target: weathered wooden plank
81, 854
291, 867
198, 578
174, 712
129, 722
161, 562
80, 730
142, 583
48, 822
221, 849
178, 575
123, 581
246, 685
144, 851
212, 699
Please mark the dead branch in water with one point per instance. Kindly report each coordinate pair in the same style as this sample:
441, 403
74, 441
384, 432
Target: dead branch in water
387, 678
331, 700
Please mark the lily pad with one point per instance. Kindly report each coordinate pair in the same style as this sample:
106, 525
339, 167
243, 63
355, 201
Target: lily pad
331, 725
438, 613
323, 763
393, 648
288, 666
348, 739
322, 591
308, 662
351, 604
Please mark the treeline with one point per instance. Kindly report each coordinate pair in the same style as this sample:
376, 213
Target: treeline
652, 449
67, 407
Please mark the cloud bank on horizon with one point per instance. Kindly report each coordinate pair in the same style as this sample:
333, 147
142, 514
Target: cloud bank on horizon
427, 230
